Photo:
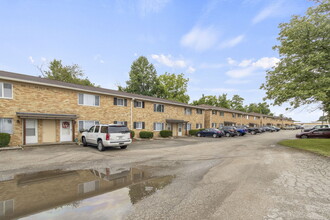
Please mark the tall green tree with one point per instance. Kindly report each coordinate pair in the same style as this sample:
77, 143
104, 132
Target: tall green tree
303, 74
142, 78
236, 103
223, 101
207, 100
262, 108
173, 87
70, 74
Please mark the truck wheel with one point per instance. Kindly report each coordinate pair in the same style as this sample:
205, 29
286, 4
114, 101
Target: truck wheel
100, 146
123, 147
84, 141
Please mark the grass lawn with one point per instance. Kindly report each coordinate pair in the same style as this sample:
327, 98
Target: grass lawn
319, 146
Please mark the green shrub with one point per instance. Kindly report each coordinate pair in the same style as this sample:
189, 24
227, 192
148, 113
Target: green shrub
165, 133
4, 139
132, 134
146, 134
194, 132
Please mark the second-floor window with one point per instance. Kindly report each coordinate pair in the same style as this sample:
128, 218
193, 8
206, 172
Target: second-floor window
234, 115
199, 111
158, 108
6, 90
120, 102
187, 111
87, 99
214, 112
138, 104
222, 114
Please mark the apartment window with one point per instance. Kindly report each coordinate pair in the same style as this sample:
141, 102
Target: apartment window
220, 125
6, 90
247, 117
169, 127
199, 125
239, 115
188, 127
222, 114
214, 112
120, 123
158, 108
255, 118
214, 125
88, 187
187, 111
85, 125
139, 125
6, 208
138, 104
87, 99
120, 102
199, 111
6, 125
234, 115
158, 126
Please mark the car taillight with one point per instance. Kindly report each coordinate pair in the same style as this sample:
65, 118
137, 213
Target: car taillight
107, 137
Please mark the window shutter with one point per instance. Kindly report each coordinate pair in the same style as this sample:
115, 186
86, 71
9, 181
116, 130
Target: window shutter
125, 102
143, 125
125, 123
196, 125
134, 125
154, 107
163, 126
97, 100
115, 101
163, 108
81, 99
135, 104
115, 122
154, 126
142, 104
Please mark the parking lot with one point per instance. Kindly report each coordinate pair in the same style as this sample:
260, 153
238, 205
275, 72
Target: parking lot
248, 177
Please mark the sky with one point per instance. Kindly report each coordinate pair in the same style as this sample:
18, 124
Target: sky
222, 46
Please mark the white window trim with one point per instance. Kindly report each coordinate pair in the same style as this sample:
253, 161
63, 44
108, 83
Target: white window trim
159, 123
90, 105
88, 120
138, 102
3, 91
12, 124
159, 105
122, 100
136, 125
189, 112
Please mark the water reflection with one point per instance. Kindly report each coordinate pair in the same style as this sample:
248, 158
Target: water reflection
81, 194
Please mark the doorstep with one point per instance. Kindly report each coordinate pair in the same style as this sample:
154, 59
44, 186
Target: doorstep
10, 148
49, 144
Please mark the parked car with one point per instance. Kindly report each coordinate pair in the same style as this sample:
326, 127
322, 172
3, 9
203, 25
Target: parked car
210, 132
229, 131
299, 127
268, 128
254, 130
276, 128
317, 127
111, 135
241, 131
289, 128
317, 133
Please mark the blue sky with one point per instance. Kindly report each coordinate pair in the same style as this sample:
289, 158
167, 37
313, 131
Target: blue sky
222, 46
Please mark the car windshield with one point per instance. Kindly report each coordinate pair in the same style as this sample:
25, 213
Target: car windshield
118, 129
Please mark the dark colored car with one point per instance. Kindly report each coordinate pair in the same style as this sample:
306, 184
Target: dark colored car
210, 132
267, 128
229, 131
254, 131
317, 127
241, 131
276, 128
317, 133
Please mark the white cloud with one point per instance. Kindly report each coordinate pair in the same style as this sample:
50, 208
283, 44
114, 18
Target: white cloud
211, 65
190, 69
43, 59
169, 61
151, 6
99, 59
231, 61
232, 42
200, 38
247, 67
267, 12
31, 59
266, 62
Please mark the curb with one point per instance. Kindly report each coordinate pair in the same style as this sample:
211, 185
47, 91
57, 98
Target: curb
10, 148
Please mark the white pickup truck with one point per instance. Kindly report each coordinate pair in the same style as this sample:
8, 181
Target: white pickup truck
111, 135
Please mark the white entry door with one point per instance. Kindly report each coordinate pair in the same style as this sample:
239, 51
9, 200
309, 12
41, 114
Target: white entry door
31, 131
179, 129
66, 131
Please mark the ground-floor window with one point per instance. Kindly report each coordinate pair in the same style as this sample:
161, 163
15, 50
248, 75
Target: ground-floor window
139, 125
199, 125
120, 123
188, 127
158, 126
6, 125
86, 125
214, 125
169, 127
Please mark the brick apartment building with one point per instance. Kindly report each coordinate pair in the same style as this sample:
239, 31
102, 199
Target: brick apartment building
36, 110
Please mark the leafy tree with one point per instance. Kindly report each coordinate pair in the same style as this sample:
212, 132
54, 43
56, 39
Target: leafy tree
252, 107
223, 101
207, 100
323, 118
302, 76
173, 87
142, 78
236, 103
69, 74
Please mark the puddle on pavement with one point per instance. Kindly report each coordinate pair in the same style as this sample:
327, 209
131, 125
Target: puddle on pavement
80, 194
